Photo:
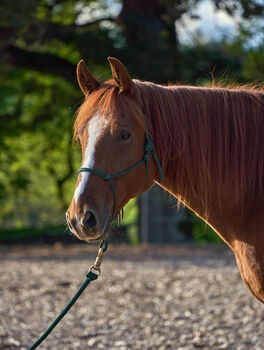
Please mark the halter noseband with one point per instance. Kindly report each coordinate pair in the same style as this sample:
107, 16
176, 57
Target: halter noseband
148, 148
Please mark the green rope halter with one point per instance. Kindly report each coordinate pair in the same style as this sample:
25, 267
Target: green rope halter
148, 148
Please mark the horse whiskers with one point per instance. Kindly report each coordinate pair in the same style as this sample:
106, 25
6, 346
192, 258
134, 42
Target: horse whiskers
115, 231
120, 217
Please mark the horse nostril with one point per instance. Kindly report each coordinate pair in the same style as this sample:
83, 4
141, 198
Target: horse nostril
89, 220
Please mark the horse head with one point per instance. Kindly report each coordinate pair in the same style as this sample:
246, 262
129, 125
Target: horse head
117, 151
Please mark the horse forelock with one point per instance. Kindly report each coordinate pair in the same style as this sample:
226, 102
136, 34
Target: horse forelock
109, 103
100, 101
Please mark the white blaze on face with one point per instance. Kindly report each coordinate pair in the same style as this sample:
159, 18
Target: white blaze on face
95, 127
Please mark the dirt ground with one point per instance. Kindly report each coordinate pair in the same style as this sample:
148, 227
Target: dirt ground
148, 297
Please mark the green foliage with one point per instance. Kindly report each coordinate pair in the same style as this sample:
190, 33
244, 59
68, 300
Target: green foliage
203, 233
18, 14
253, 67
36, 139
130, 220
248, 48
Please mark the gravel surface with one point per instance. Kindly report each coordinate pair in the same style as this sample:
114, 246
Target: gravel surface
151, 297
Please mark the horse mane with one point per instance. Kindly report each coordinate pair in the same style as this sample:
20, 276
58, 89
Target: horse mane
208, 139
205, 138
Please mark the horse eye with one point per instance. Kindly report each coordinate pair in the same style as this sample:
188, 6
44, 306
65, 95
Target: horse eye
125, 135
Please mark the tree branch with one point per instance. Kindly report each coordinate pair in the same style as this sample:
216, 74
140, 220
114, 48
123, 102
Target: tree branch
44, 31
87, 24
42, 62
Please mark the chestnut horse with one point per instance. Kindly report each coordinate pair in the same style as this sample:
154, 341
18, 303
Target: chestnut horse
208, 143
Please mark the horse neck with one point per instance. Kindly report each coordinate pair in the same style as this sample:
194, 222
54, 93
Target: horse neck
184, 123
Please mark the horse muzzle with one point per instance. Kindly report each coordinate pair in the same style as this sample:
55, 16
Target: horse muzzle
89, 226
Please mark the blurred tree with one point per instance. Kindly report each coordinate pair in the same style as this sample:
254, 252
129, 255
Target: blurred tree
36, 142
249, 47
50, 35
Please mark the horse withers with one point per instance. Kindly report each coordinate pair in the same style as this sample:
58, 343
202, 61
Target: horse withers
208, 143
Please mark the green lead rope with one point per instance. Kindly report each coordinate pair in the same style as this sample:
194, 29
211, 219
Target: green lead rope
91, 276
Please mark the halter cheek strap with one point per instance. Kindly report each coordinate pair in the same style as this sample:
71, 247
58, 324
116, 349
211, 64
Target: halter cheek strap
148, 149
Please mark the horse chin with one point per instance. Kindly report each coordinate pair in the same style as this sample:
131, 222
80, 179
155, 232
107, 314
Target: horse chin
102, 233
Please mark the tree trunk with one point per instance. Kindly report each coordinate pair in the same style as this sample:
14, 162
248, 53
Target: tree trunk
150, 35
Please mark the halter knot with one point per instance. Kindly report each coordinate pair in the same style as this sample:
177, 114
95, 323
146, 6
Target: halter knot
147, 156
107, 177
148, 147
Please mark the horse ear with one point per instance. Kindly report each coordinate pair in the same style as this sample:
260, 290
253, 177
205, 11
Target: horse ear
120, 75
85, 79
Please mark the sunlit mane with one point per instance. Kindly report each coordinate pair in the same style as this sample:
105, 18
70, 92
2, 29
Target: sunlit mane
205, 138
